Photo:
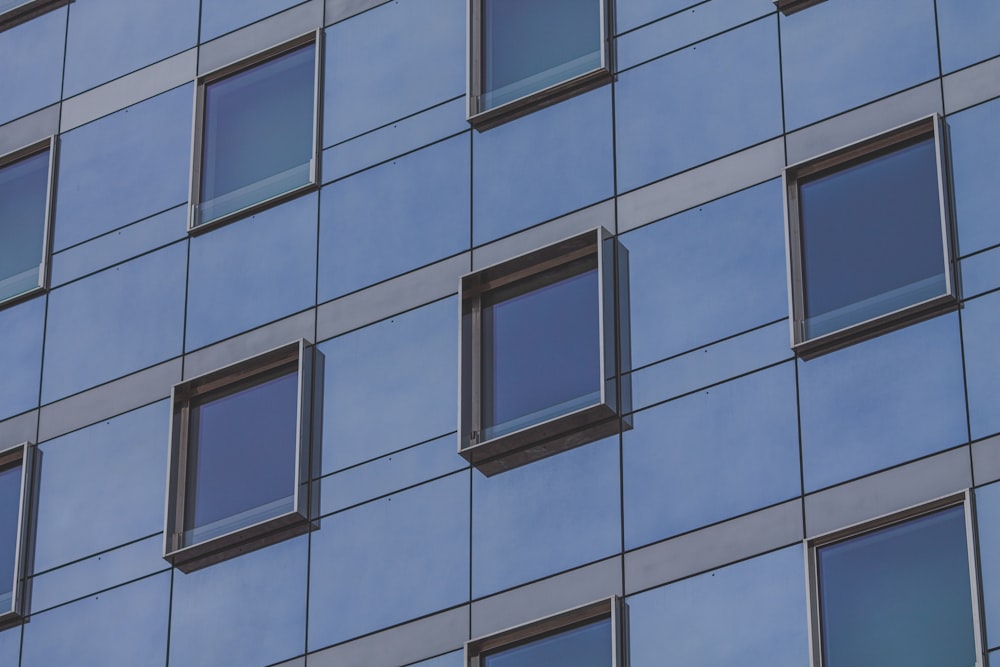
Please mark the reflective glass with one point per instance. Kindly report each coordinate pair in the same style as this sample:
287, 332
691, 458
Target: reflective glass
584, 646
453, 659
10, 646
974, 140
988, 519
630, 14
871, 238
24, 188
980, 273
529, 45
898, 596
32, 54
980, 324
258, 133
23, 327
968, 32
241, 457
10, 511
221, 16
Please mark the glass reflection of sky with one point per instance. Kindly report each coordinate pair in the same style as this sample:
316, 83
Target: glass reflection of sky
23, 194
585, 646
10, 502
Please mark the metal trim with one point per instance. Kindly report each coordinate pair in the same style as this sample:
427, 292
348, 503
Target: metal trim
21, 454
789, 7
26, 11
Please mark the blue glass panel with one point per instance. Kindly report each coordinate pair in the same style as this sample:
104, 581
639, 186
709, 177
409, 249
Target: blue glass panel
529, 45
144, 33
10, 646
390, 385
633, 13
707, 273
974, 139
123, 627
10, 512
547, 517
980, 273
258, 133
32, 54
968, 32
85, 341
390, 62
396, 558
221, 16
453, 659
585, 646
101, 486
252, 272
24, 189
106, 167
753, 612
898, 596
685, 467
245, 611
839, 55
23, 327
882, 402
714, 98
395, 217
988, 518
542, 165
980, 324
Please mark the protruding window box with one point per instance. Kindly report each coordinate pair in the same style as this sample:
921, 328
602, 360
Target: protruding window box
15, 485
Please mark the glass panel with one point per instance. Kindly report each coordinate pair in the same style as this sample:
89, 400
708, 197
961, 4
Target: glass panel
221, 16
898, 596
241, 457
980, 324
988, 519
23, 327
33, 56
258, 133
586, 646
974, 140
24, 187
630, 14
10, 511
968, 31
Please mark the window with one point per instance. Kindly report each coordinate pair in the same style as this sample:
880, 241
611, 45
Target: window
588, 636
14, 12
869, 238
256, 137
25, 210
15, 476
897, 591
526, 54
540, 352
791, 6
240, 450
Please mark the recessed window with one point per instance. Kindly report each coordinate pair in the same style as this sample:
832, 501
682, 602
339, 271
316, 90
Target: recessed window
15, 476
588, 636
540, 352
240, 457
256, 133
25, 187
869, 238
896, 592
526, 54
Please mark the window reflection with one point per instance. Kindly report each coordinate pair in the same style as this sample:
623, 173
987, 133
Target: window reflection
585, 646
24, 188
10, 503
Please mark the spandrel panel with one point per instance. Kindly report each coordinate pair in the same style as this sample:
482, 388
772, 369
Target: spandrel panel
246, 611
23, 327
221, 16
698, 104
123, 627
252, 271
685, 467
633, 13
398, 558
839, 55
24, 189
395, 217
555, 514
988, 518
390, 385
392, 61
967, 32
144, 33
584, 646
32, 54
106, 167
101, 486
85, 341
453, 659
980, 324
760, 603
539, 166
974, 139
708, 273
10, 505
882, 402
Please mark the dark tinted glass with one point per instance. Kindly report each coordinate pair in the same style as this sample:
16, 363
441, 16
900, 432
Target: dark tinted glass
899, 596
258, 134
242, 458
23, 188
586, 646
529, 45
871, 238
541, 350
10, 502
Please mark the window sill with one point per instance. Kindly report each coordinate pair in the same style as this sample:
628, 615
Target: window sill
248, 211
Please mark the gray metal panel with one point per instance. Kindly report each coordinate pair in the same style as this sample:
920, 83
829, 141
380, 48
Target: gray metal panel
29, 129
17, 429
986, 460
338, 10
972, 86
888, 491
714, 546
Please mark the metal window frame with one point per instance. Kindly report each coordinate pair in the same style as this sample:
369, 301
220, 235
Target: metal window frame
964, 498
51, 145
307, 361
789, 7
855, 153
22, 454
314, 37
483, 119
572, 429
613, 607
28, 10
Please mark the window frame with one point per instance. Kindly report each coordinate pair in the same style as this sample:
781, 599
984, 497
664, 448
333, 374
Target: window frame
49, 144
579, 426
483, 119
27, 10
244, 374
789, 7
928, 127
23, 454
314, 37
965, 499
613, 607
